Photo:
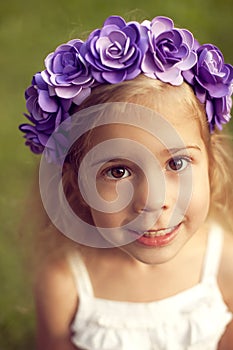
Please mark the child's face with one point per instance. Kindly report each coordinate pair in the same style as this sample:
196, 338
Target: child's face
168, 189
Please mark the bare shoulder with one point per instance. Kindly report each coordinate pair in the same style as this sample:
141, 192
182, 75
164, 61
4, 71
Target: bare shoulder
226, 269
226, 286
56, 302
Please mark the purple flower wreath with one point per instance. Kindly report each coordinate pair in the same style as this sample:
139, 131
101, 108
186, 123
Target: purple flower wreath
211, 80
115, 52
46, 112
121, 51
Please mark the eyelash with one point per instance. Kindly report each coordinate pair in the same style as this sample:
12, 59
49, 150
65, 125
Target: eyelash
188, 160
108, 172
111, 169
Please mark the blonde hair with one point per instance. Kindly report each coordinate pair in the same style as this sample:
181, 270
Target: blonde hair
153, 94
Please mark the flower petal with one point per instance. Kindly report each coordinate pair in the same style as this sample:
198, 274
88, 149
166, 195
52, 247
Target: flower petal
46, 102
116, 20
68, 92
161, 24
172, 76
114, 77
81, 96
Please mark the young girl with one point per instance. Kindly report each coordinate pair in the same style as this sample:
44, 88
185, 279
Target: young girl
135, 244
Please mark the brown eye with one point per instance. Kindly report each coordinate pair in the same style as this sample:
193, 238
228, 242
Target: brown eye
178, 164
118, 173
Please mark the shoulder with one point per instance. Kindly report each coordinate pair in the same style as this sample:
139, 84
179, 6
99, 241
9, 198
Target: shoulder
226, 285
226, 269
54, 279
56, 302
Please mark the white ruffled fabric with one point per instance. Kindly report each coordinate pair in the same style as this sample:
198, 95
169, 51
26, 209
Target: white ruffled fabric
191, 320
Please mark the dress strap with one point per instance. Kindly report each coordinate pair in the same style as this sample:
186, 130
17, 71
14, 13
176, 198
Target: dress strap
81, 275
213, 253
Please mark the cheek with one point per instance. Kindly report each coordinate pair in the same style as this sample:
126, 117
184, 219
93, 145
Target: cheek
106, 220
200, 199
107, 190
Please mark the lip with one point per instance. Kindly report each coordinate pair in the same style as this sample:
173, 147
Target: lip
158, 241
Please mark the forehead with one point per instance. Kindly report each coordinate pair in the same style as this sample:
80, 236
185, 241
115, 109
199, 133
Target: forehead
174, 129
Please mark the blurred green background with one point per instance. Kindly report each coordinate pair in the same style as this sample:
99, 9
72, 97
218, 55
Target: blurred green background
29, 30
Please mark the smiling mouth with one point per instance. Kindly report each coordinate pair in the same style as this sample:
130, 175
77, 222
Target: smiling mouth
157, 233
158, 238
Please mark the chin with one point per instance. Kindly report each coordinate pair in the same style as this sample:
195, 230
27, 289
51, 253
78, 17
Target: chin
154, 256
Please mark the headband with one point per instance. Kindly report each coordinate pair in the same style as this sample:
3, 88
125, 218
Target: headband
121, 51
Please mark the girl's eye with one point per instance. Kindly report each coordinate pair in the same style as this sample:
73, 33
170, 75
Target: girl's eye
117, 173
178, 164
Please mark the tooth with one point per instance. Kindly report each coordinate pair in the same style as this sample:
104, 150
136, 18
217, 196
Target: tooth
157, 233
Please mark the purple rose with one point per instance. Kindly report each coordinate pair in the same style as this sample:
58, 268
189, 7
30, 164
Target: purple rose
68, 72
211, 79
115, 52
170, 52
46, 113
210, 74
218, 111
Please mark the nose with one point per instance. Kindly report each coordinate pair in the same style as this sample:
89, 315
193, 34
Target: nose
149, 195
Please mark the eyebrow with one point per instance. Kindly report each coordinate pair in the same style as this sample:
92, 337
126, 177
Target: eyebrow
165, 152
180, 149
109, 160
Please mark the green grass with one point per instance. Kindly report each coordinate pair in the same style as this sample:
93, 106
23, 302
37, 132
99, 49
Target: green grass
29, 30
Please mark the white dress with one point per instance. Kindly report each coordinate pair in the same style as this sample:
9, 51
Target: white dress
194, 319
